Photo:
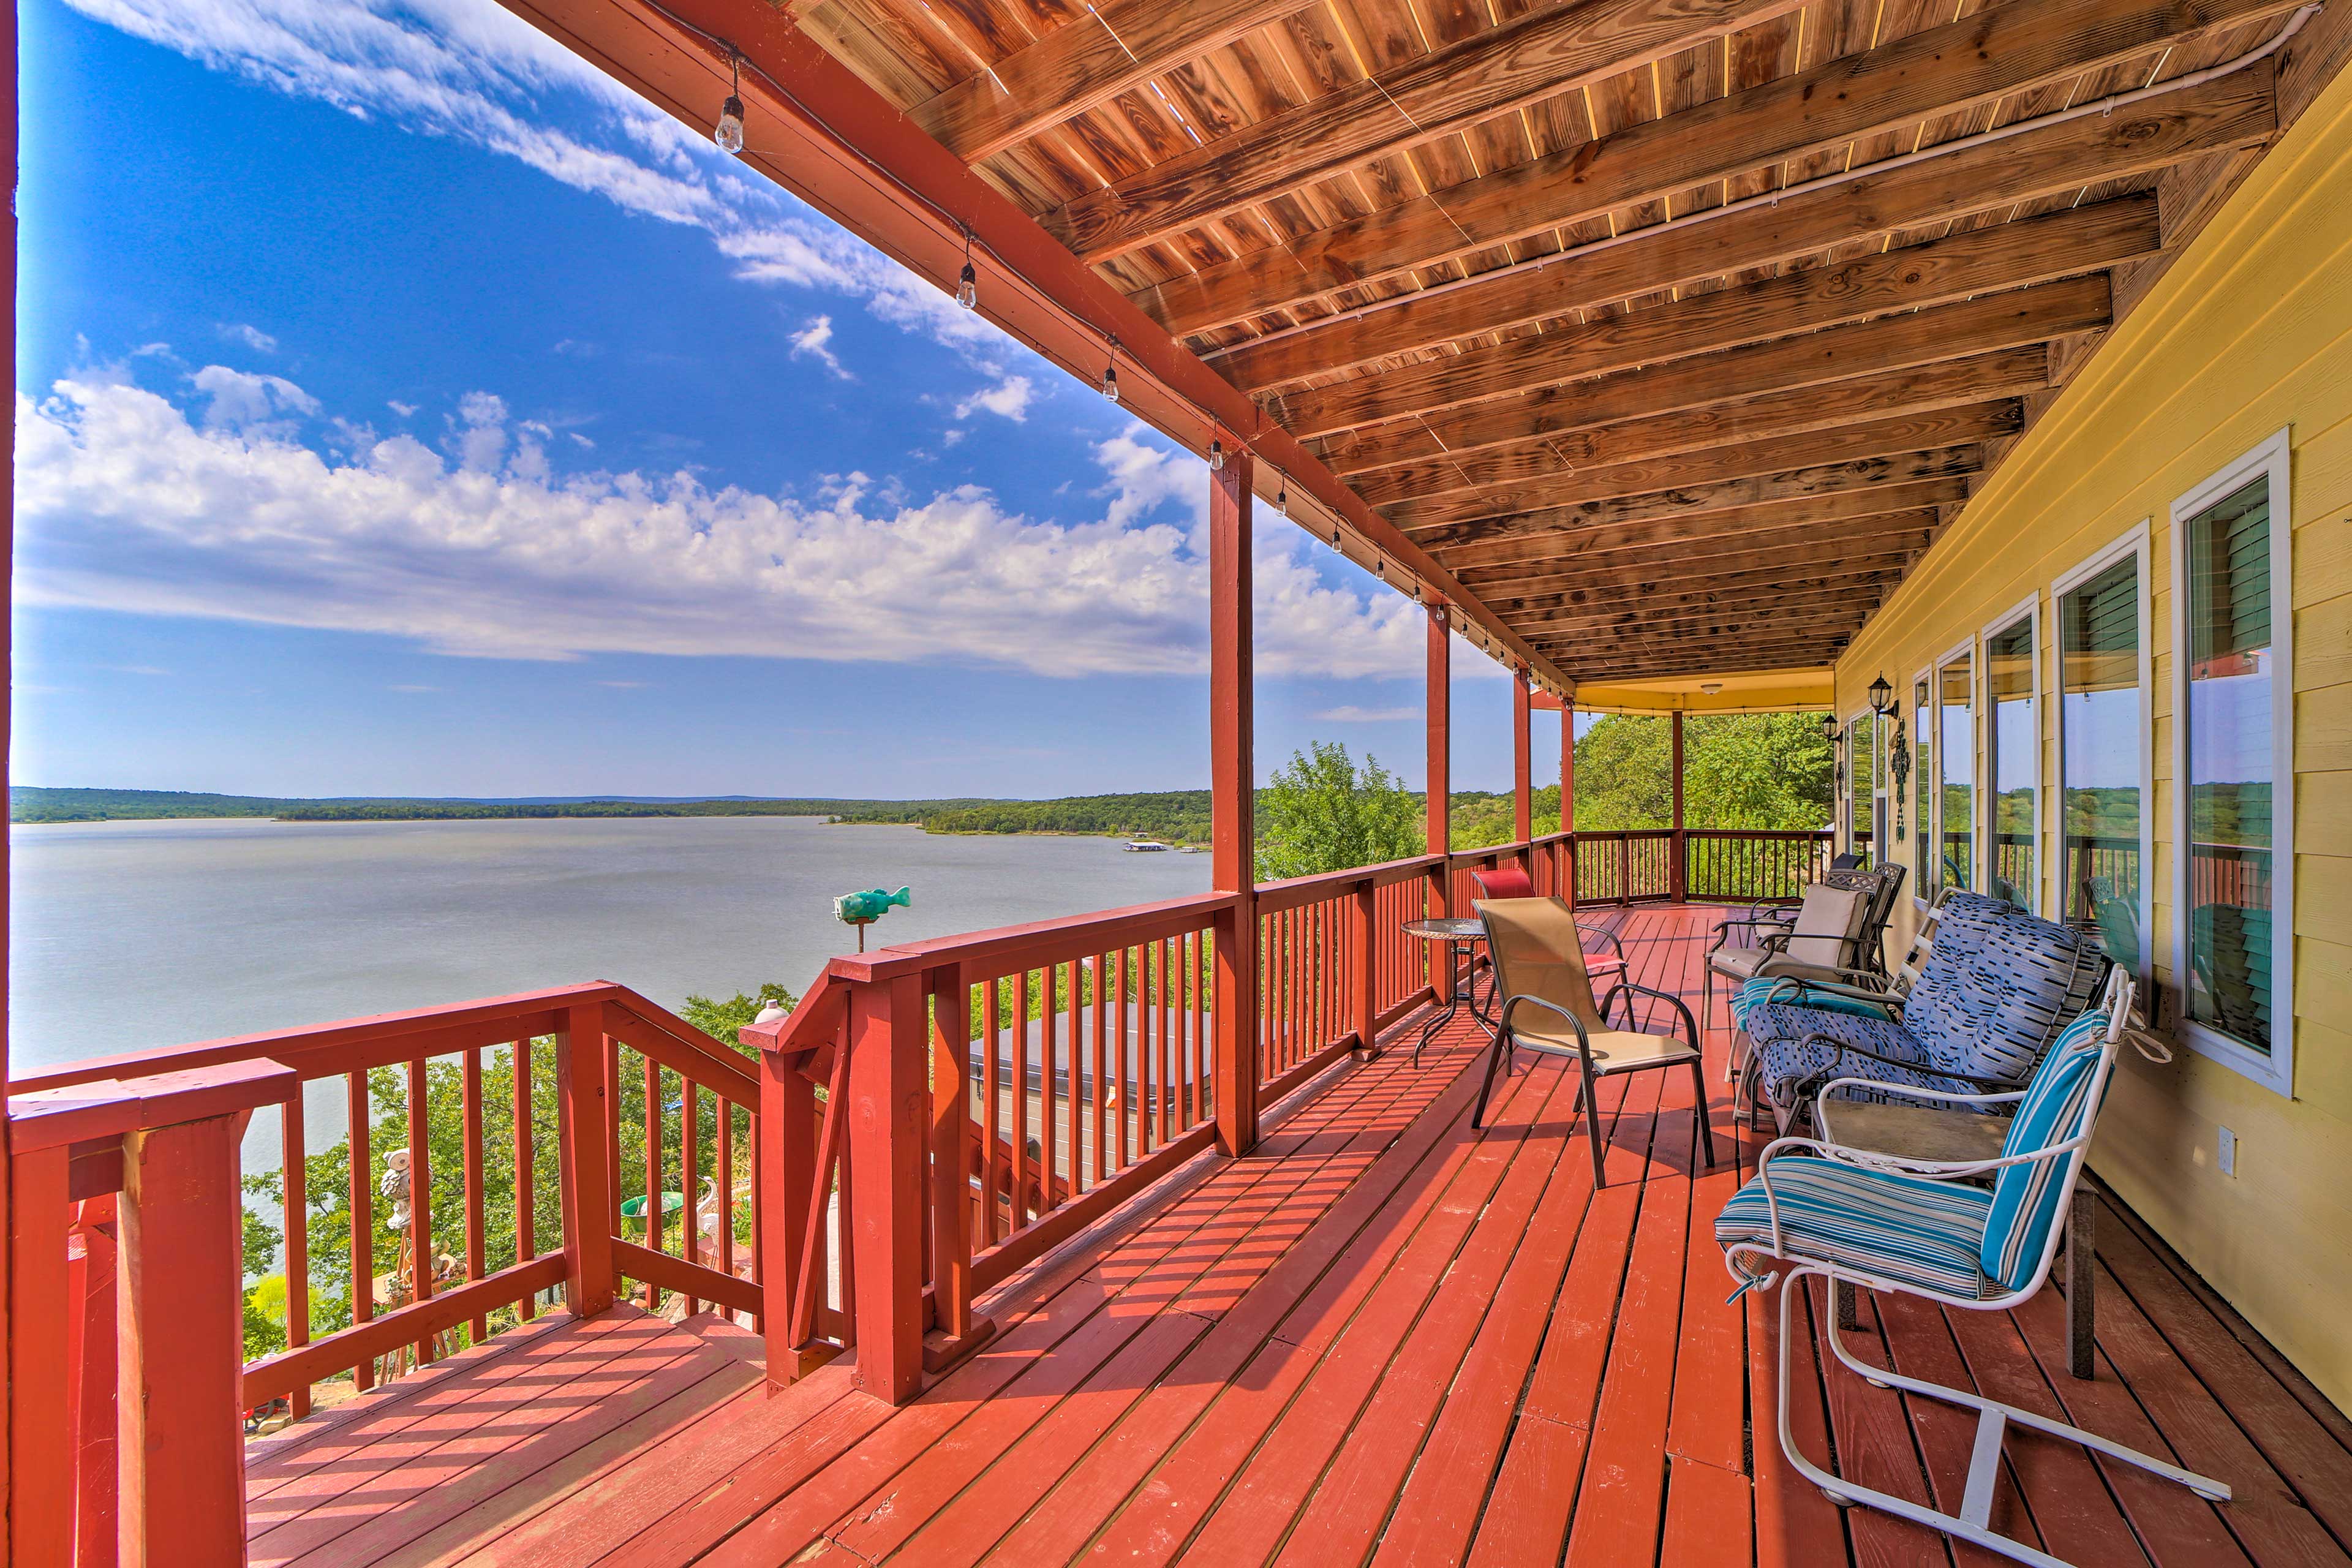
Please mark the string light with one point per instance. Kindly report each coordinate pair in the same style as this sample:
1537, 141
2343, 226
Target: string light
730, 131
1217, 457
1282, 496
968, 283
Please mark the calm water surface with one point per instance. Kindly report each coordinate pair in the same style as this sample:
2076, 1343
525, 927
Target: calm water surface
127, 935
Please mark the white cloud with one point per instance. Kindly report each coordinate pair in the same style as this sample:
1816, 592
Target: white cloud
405, 410
813, 341
1009, 397
1349, 713
124, 502
479, 75
251, 336
258, 404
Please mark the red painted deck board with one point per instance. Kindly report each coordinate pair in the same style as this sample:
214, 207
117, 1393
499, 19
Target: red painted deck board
1385, 1337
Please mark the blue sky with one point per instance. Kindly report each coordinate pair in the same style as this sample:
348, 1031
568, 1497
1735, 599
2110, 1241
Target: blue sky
403, 409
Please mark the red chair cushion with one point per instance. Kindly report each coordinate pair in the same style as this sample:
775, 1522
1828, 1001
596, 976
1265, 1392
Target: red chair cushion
1504, 882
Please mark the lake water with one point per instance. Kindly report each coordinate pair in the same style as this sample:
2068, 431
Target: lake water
126, 935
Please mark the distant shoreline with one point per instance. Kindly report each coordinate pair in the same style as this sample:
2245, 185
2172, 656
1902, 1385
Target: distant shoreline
1177, 816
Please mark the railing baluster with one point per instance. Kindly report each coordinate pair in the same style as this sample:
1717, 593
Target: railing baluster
689, 1146
1048, 977
992, 1090
950, 1140
1127, 1090
653, 1217
471, 1115
1094, 1062
723, 1159
297, 1191
420, 1201
525, 1187
362, 1204
1019, 1026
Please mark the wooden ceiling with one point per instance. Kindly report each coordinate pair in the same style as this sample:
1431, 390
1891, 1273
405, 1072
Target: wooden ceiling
1463, 250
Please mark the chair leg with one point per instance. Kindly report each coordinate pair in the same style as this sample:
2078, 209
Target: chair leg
1487, 1086
1592, 1125
1973, 1523
1706, 1122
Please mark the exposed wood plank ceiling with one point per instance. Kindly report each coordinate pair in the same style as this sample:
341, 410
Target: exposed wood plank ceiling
1462, 248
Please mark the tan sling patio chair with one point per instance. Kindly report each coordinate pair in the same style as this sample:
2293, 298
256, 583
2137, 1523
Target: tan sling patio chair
1547, 1005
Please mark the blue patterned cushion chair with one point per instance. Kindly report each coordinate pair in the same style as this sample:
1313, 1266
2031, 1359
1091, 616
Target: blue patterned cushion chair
1992, 996
1851, 1216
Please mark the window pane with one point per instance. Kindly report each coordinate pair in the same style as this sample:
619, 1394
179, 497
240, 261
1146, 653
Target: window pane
2100, 746
2229, 765
1860, 748
1923, 831
2014, 740
1956, 739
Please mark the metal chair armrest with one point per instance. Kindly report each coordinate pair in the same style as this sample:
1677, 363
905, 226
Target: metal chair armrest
1627, 989
1502, 1018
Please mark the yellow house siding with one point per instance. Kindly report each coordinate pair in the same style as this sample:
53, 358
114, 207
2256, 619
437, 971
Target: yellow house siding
2250, 333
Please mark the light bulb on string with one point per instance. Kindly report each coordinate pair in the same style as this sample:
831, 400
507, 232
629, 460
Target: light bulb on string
729, 133
1217, 457
968, 281
1110, 373
1282, 499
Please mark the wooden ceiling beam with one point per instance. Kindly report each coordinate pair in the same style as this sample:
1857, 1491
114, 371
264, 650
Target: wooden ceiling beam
1749, 459
1756, 620
1924, 389
2008, 320
2005, 256
1498, 564
1663, 657
1817, 549
1546, 50
1975, 261
1088, 60
1762, 564
1792, 484
1665, 157
1607, 604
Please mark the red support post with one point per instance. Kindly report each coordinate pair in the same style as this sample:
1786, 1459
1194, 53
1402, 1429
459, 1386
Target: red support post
1438, 795
41, 1498
1568, 795
788, 1173
1523, 813
1232, 784
888, 1091
584, 1096
180, 1348
951, 1148
1679, 866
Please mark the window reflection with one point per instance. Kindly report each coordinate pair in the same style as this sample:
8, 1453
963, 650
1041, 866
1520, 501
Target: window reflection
2014, 740
1956, 742
2100, 745
2229, 765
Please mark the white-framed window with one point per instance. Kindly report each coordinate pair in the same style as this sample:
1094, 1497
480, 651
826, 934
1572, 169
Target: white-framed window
1956, 756
1922, 790
2012, 816
2234, 766
2102, 866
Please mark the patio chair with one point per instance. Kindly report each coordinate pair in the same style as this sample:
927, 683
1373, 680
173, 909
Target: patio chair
1849, 1216
1547, 1005
1995, 989
1834, 933
1511, 882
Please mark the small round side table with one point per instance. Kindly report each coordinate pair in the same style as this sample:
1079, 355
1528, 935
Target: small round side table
1461, 935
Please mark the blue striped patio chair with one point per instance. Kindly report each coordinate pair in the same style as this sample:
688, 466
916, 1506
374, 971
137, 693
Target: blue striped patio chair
1852, 1217
1994, 992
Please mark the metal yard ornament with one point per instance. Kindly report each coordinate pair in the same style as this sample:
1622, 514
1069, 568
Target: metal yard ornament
862, 910
1898, 762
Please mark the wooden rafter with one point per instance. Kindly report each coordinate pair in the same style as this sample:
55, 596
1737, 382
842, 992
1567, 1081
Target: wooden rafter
1929, 75
1546, 50
1088, 60
1926, 389
1711, 546
2008, 320
1691, 470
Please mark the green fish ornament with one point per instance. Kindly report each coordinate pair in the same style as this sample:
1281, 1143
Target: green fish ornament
864, 908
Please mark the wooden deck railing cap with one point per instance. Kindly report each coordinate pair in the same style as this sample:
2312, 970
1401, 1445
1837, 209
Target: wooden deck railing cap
110, 1107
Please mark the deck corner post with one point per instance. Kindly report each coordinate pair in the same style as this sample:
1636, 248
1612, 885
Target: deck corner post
889, 1110
585, 1109
1437, 796
787, 1172
1679, 860
1523, 812
1232, 796
180, 1347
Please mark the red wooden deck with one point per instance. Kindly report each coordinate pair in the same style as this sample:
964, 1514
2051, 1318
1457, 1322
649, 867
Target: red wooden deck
1385, 1337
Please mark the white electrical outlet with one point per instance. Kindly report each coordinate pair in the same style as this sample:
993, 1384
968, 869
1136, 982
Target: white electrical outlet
2228, 1152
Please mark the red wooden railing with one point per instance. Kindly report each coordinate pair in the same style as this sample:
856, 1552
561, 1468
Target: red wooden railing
562, 1053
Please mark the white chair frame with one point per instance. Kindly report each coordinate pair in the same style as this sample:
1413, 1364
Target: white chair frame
1973, 1521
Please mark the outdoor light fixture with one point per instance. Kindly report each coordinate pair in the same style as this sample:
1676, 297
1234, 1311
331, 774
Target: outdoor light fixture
1711, 687
1217, 457
1882, 697
968, 283
1830, 728
1282, 499
1110, 383
730, 131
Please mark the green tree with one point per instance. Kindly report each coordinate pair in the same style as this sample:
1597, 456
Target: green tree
1625, 774
1739, 770
1322, 812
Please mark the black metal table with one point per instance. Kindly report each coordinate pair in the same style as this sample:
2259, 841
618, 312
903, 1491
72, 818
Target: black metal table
1461, 936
